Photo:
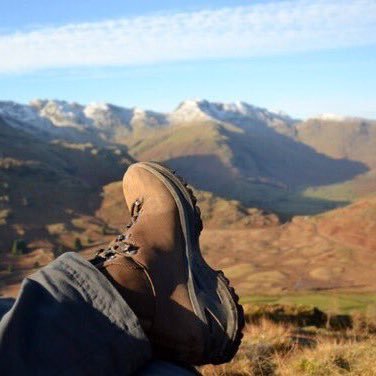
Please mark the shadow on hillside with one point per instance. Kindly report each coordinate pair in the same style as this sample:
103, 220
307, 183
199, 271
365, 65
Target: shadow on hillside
208, 172
262, 152
268, 170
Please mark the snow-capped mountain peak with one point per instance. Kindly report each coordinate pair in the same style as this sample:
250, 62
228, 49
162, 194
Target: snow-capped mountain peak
189, 111
330, 117
94, 108
240, 113
17, 111
19, 114
62, 113
108, 120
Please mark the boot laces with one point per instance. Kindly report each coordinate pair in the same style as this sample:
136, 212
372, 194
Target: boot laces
122, 246
135, 212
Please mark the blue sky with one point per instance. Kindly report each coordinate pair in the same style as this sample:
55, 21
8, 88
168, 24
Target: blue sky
302, 57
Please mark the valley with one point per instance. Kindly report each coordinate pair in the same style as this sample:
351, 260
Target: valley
288, 205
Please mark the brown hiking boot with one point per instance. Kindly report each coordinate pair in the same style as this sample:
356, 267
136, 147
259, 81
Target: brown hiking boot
188, 310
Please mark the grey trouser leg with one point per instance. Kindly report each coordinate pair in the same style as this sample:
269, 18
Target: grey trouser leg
69, 320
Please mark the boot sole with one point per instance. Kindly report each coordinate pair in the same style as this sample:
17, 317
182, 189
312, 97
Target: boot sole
200, 273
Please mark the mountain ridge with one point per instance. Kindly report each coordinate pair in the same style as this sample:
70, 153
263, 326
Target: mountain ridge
61, 112
236, 150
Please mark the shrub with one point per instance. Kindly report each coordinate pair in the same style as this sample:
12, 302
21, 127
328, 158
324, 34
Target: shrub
300, 315
106, 230
59, 251
19, 247
77, 245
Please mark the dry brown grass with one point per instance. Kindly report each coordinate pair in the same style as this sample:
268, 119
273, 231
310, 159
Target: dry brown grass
256, 356
283, 349
332, 358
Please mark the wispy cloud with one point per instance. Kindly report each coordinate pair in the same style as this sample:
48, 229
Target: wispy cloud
255, 30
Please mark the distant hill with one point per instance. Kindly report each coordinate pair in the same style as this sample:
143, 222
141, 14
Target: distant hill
236, 150
343, 138
332, 251
353, 225
254, 156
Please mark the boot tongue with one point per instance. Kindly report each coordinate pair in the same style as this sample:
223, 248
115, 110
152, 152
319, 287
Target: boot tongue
135, 212
134, 284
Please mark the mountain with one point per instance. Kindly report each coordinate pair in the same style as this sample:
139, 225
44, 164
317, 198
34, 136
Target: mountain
343, 138
240, 113
104, 116
96, 123
252, 155
235, 150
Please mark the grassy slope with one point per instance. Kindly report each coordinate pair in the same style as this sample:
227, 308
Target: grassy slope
352, 139
332, 251
329, 302
290, 350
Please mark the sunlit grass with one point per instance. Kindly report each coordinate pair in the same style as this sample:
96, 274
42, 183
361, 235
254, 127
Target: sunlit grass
283, 349
335, 302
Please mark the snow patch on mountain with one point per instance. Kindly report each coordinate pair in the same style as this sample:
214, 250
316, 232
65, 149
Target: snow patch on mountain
239, 113
62, 113
190, 111
103, 116
93, 108
337, 118
114, 120
330, 117
148, 119
17, 111
108, 116
19, 114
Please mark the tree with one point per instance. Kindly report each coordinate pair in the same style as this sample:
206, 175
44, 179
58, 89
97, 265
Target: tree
78, 245
58, 251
